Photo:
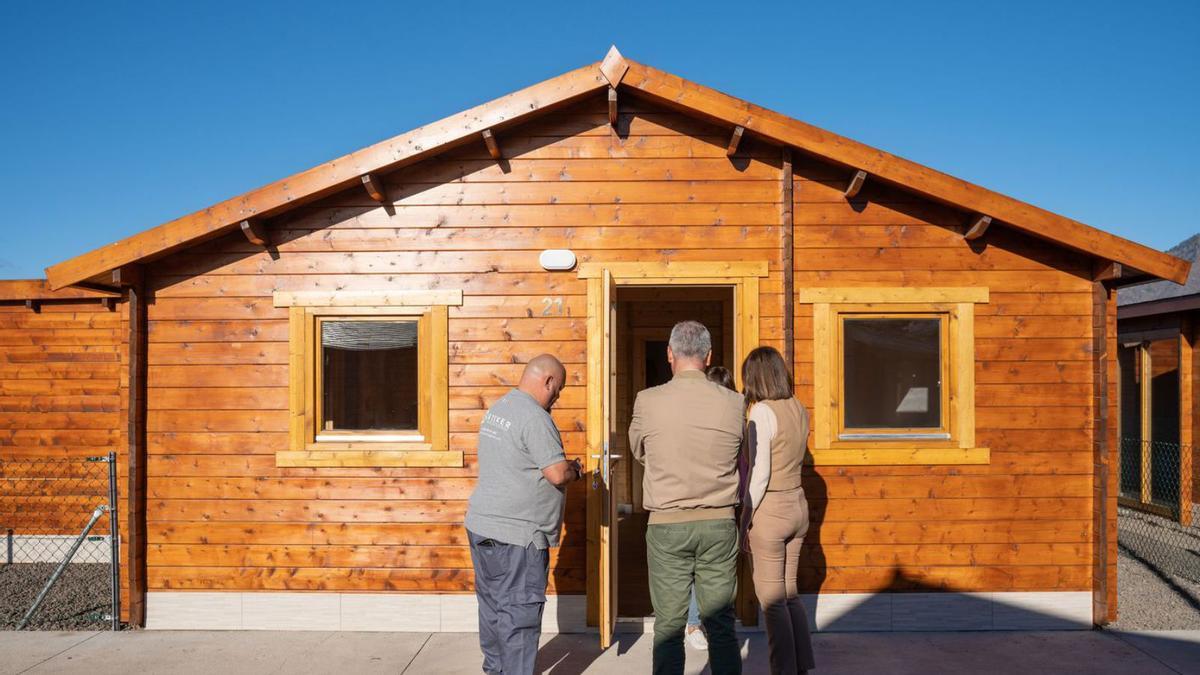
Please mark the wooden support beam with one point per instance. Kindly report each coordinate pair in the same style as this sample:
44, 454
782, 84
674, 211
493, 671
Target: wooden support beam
374, 187
255, 233
133, 548
856, 184
977, 227
734, 140
33, 305
787, 221
1106, 270
612, 106
490, 141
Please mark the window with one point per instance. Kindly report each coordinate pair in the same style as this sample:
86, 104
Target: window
894, 375
368, 379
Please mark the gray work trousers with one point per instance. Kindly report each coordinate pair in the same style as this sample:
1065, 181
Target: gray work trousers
510, 584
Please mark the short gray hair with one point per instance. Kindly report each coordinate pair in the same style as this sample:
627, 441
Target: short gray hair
691, 340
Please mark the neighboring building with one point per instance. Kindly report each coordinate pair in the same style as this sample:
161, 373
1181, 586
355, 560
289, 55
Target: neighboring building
1157, 327
307, 365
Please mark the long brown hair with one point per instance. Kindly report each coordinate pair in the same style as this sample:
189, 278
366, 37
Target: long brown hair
765, 376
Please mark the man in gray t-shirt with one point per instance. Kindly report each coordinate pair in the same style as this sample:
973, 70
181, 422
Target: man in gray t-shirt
515, 515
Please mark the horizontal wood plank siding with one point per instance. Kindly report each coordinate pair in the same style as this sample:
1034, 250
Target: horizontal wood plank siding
1033, 402
62, 399
661, 189
221, 515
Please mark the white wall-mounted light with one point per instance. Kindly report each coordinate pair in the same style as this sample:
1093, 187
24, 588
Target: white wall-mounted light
556, 259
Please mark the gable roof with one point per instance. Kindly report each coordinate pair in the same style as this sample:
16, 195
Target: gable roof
1189, 250
656, 85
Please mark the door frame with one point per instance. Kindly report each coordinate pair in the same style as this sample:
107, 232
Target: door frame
743, 277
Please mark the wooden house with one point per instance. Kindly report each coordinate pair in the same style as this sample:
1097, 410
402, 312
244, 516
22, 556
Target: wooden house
1157, 326
304, 367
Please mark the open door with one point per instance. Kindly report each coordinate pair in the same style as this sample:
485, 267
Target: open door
604, 478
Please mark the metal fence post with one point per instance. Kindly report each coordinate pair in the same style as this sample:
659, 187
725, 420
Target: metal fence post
114, 537
10, 546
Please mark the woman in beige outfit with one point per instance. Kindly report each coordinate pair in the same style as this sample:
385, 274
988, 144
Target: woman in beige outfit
774, 510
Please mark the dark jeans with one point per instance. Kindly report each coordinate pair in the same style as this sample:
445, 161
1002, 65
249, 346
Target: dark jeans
510, 584
703, 553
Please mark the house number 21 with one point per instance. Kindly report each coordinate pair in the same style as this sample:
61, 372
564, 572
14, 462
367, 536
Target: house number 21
552, 306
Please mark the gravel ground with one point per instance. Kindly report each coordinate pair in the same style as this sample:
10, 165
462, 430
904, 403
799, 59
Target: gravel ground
1161, 542
77, 601
1150, 600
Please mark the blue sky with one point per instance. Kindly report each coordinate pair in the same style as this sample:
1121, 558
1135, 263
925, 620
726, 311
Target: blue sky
118, 116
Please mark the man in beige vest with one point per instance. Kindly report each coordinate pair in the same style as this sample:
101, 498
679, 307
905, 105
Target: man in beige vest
687, 433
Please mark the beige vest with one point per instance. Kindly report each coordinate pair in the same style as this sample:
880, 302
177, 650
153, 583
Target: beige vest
788, 446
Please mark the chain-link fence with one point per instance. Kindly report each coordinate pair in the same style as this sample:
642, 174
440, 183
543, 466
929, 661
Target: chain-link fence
58, 555
1158, 522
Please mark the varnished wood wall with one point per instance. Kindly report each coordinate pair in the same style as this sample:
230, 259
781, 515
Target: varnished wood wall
61, 397
222, 516
1021, 523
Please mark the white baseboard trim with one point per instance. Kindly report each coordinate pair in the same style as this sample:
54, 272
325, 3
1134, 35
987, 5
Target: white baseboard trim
52, 548
860, 612
391, 612
403, 612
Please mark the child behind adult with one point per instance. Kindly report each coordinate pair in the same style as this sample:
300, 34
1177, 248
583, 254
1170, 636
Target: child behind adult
720, 375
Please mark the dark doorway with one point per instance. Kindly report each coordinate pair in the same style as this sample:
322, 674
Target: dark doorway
645, 316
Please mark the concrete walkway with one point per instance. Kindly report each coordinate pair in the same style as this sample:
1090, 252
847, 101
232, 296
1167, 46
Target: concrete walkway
228, 653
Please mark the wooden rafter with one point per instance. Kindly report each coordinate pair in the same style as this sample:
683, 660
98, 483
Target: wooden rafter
374, 187
856, 184
645, 81
612, 107
255, 232
977, 227
1106, 270
127, 276
735, 139
493, 148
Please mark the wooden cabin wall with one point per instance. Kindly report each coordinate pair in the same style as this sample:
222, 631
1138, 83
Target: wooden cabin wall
61, 398
221, 515
1020, 523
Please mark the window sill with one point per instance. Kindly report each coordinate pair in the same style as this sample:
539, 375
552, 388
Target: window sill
893, 456
359, 457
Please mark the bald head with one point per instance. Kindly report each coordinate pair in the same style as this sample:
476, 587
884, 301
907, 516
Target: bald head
543, 379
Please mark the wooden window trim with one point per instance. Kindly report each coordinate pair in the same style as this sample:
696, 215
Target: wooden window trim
957, 306
306, 311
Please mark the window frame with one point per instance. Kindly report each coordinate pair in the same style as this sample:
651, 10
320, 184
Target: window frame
955, 444
368, 448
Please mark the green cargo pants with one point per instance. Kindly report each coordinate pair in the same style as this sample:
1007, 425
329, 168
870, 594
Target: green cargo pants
705, 551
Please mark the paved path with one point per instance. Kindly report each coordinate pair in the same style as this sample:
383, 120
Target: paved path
230, 653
